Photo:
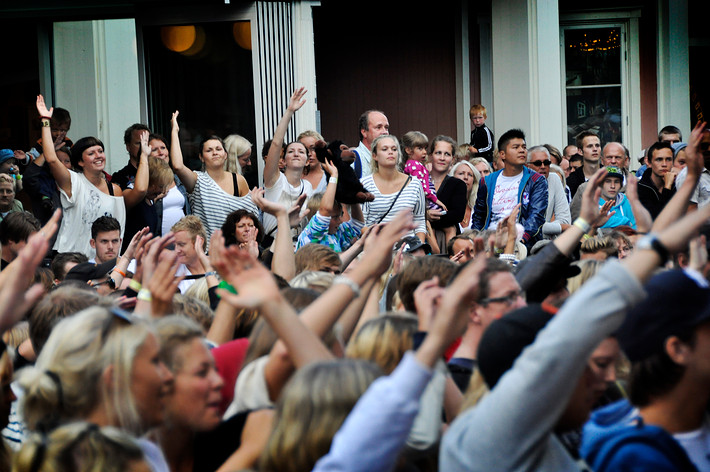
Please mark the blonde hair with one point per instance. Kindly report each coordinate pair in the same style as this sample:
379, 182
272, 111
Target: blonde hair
175, 331
7, 178
589, 268
373, 164
195, 304
65, 383
159, 172
193, 225
78, 446
311, 409
236, 146
384, 340
313, 279
476, 180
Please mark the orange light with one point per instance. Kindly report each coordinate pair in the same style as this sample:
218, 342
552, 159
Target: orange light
242, 34
178, 38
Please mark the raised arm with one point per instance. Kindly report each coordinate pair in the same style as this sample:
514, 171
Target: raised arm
284, 261
60, 173
133, 196
271, 166
185, 174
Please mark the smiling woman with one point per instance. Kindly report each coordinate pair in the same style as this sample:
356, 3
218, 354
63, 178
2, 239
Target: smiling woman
84, 192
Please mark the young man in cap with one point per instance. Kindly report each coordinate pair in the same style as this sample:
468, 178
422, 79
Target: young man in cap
620, 212
667, 339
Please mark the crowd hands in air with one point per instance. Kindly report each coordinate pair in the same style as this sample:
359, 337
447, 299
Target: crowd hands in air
406, 304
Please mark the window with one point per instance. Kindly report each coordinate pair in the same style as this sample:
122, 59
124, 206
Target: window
204, 70
593, 82
601, 76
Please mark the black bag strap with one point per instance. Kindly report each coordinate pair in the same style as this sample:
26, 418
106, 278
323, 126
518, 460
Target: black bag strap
409, 177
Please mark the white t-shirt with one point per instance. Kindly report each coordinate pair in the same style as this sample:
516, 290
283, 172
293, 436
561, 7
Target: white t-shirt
86, 204
282, 192
173, 204
697, 446
505, 197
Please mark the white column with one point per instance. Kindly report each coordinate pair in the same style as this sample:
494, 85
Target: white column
305, 63
527, 87
96, 79
673, 69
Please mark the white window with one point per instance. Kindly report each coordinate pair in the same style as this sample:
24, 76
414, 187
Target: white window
600, 77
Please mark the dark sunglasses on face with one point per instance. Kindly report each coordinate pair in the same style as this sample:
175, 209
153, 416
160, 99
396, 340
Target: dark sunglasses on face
546, 162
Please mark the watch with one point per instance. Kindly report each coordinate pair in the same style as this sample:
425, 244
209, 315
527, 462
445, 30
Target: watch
651, 241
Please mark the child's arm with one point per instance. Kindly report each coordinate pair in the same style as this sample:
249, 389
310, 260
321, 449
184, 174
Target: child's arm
327, 203
418, 170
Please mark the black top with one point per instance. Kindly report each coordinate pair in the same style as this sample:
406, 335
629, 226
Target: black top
452, 192
124, 177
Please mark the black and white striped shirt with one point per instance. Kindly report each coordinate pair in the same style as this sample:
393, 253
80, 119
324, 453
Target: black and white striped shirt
411, 198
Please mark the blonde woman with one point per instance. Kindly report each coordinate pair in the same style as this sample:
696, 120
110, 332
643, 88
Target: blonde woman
467, 172
100, 366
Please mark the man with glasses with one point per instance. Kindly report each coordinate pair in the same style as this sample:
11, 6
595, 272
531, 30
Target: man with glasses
557, 215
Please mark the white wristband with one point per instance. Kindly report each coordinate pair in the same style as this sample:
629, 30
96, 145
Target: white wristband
341, 279
333, 180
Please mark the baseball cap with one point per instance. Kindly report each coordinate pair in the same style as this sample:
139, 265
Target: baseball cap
411, 244
613, 171
675, 305
86, 271
506, 338
6, 154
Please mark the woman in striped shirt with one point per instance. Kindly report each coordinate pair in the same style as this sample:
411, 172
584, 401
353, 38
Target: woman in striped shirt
394, 190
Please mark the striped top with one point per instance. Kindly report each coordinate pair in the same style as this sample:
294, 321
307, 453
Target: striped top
212, 204
411, 198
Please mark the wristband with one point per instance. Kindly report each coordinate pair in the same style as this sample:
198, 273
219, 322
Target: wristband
333, 180
341, 279
585, 236
135, 285
582, 224
45, 123
45, 118
212, 272
116, 269
498, 251
145, 295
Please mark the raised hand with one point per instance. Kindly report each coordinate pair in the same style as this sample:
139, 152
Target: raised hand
42, 108
330, 168
297, 101
695, 161
145, 147
174, 122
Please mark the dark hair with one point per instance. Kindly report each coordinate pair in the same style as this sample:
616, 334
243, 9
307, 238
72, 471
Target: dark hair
445, 139
493, 266
77, 150
230, 223
584, 134
655, 147
656, 375
18, 226
363, 123
670, 129
129, 132
210, 138
159, 137
452, 241
419, 270
103, 224
508, 136
61, 116
576, 157
61, 259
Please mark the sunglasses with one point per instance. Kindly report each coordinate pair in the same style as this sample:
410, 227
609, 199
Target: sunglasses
546, 162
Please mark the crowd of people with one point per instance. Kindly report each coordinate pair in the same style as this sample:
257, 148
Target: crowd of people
407, 304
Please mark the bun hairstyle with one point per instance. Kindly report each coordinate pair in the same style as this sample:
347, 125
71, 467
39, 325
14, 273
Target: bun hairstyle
78, 446
66, 381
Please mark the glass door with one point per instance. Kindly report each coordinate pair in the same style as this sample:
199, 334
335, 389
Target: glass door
594, 81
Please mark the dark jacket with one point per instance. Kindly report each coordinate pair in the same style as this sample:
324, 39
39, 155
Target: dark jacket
482, 140
576, 179
532, 194
650, 197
